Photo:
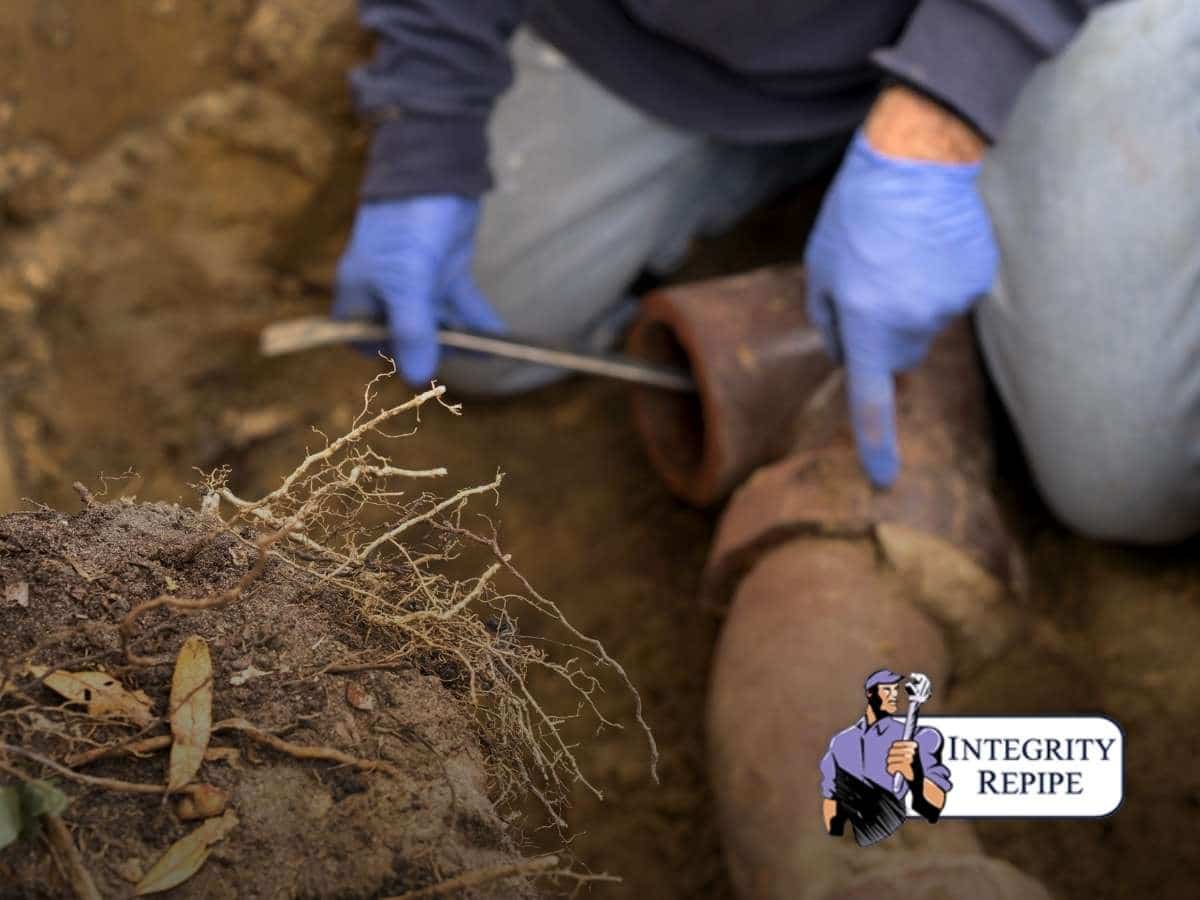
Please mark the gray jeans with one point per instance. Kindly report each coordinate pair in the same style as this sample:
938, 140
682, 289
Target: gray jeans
1091, 333
589, 193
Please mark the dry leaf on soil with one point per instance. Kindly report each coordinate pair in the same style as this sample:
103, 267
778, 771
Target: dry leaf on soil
103, 695
184, 858
191, 711
237, 679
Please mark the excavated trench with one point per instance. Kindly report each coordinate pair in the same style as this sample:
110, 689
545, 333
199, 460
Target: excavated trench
175, 175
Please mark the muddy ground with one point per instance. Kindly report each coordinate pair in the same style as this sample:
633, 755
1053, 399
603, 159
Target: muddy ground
175, 175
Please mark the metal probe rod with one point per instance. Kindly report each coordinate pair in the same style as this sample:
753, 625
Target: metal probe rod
294, 335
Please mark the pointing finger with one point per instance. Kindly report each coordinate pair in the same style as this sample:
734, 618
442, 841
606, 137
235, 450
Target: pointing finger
872, 394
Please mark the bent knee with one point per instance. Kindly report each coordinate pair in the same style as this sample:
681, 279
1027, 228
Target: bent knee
1129, 488
1107, 408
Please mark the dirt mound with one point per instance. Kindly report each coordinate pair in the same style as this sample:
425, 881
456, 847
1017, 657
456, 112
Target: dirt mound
353, 712
307, 827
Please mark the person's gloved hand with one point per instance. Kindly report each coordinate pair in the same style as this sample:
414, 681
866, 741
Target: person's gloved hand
409, 263
900, 248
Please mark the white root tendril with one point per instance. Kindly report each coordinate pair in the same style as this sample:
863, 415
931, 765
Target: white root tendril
343, 511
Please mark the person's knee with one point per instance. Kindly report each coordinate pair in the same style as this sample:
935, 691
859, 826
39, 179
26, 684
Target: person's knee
1125, 479
1146, 507
1103, 401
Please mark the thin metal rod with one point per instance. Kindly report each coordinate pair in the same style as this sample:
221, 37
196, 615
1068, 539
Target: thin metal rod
607, 365
294, 335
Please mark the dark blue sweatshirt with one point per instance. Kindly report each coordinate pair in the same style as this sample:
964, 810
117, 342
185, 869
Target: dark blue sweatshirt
738, 70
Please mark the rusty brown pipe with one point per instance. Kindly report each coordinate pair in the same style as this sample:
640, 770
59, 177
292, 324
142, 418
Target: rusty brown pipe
825, 580
806, 624
756, 363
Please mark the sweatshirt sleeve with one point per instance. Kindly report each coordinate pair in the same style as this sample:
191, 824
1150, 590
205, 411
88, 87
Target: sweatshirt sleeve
438, 67
975, 55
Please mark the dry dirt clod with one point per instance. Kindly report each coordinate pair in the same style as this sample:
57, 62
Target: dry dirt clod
130, 869
103, 695
202, 801
17, 593
358, 697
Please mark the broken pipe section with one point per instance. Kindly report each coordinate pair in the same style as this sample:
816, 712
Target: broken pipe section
759, 370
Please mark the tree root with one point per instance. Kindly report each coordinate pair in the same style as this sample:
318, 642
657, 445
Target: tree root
594, 645
254, 733
350, 527
109, 784
64, 848
135, 747
131, 747
351, 523
301, 751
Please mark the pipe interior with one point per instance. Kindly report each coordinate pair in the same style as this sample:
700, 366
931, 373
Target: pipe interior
671, 421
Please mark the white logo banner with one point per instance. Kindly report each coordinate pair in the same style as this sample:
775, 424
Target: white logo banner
1031, 766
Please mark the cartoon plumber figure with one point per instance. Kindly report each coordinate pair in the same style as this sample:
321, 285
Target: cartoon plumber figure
882, 758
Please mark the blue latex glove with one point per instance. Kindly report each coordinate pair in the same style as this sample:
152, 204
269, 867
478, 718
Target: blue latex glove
899, 249
409, 263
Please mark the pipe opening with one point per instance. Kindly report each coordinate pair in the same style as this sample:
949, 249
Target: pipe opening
671, 422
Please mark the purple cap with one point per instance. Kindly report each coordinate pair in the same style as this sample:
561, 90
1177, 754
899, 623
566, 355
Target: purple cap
882, 676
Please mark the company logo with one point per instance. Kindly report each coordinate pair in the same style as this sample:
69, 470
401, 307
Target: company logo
887, 768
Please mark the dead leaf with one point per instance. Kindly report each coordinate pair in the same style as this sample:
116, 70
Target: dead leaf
247, 674
191, 711
202, 801
358, 697
17, 593
184, 858
103, 695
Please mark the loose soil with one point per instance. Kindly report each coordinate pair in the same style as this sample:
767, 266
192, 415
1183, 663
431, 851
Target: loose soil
307, 828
